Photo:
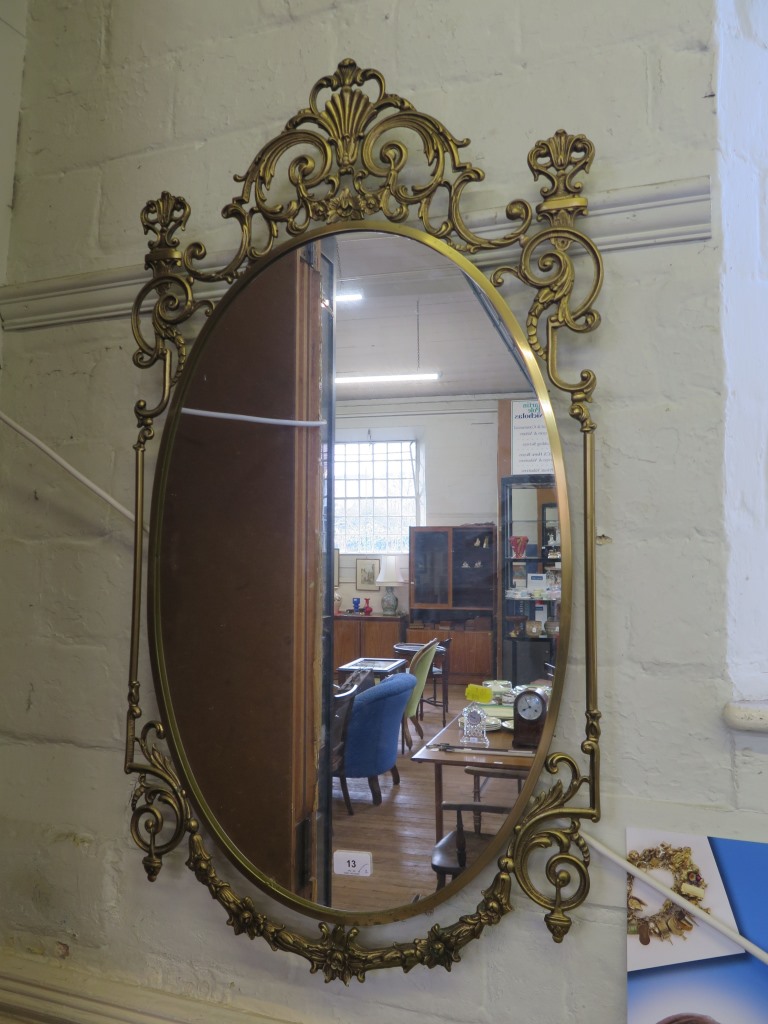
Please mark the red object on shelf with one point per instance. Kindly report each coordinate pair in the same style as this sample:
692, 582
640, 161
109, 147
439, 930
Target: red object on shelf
518, 545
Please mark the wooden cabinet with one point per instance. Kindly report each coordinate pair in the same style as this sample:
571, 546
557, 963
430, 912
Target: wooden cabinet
453, 593
366, 636
471, 650
346, 639
472, 656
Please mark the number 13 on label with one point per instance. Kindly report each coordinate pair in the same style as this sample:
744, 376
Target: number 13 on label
352, 862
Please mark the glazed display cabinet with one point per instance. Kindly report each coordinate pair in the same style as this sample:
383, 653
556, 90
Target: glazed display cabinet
452, 573
530, 570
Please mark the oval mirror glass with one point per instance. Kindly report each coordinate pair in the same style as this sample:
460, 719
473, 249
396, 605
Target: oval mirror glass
288, 491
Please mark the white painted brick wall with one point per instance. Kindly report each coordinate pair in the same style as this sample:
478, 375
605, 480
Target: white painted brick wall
12, 45
743, 76
125, 99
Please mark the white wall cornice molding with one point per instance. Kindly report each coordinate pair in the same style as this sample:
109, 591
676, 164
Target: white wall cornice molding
651, 215
50, 992
623, 219
666, 213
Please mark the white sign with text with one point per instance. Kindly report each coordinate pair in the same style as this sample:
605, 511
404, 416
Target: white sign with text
531, 453
352, 862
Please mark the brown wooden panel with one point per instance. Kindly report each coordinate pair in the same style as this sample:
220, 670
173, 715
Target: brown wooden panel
346, 640
236, 562
504, 446
472, 654
359, 636
380, 635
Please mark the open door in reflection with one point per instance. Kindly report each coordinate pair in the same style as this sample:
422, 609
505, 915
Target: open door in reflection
242, 581
238, 600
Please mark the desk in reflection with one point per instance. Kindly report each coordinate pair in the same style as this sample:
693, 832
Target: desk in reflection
498, 757
381, 667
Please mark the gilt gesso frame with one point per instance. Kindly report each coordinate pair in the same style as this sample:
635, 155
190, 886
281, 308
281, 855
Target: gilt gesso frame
348, 167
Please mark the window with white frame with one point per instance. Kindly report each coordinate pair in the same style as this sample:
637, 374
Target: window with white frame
375, 495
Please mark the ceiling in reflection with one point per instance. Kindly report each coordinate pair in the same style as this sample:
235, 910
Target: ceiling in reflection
418, 313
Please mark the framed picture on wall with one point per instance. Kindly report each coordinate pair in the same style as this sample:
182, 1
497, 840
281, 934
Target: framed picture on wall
366, 571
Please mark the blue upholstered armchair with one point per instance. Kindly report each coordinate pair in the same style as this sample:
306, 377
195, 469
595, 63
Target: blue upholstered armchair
373, 732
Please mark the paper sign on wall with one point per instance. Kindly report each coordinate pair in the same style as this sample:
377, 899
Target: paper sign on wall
530, 443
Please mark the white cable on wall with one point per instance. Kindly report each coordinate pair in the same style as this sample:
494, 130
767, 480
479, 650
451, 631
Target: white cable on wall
252, 419
108, 497
70, 469
676, 898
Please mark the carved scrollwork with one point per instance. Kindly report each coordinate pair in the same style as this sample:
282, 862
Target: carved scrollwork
174, 303
546, 265
552, 822
560, 159
346, 164
344, 161
158, 790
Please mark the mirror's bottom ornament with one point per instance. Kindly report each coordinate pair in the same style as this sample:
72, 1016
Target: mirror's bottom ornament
337, 954
347, 178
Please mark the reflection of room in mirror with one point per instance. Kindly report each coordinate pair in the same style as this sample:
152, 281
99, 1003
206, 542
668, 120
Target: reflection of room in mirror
400, 832
418, 311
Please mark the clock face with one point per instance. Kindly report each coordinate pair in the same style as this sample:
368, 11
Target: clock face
530, 706
474, 716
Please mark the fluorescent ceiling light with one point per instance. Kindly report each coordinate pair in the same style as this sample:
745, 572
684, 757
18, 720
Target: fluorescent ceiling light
349, 296
387, 378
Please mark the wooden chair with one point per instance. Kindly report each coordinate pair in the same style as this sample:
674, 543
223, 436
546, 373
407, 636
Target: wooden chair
361, 680
439, 671
420, 665
454, 851
341, 708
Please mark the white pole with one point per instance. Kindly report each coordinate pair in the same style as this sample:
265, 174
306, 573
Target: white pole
252, 419
65, 465
681, 901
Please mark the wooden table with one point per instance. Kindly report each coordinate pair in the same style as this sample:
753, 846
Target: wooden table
498, 756
380, 667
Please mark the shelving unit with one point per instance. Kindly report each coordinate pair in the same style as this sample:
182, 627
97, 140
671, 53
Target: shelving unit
530, 570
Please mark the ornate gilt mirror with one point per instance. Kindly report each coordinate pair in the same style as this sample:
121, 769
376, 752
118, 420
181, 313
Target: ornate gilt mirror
360, 192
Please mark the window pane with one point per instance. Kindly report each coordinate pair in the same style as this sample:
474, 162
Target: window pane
376, 495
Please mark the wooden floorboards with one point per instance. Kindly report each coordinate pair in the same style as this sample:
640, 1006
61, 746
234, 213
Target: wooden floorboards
400, 832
